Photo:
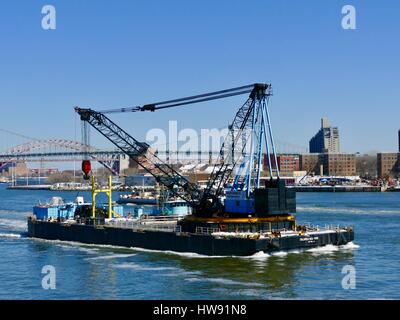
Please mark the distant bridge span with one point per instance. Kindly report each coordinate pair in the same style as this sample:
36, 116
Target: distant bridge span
51, 143
60, 156
56, 150
67, 150
62, 150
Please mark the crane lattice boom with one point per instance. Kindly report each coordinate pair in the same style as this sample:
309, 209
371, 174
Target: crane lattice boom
243, 129
140, 153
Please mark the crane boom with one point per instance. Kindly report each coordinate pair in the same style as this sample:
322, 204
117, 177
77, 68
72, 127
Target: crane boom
207, 202
186, 100
140, 153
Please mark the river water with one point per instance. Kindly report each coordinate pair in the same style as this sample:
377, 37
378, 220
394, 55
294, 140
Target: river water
101, 272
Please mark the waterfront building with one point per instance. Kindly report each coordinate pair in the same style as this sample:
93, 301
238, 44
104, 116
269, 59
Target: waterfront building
140, 180
310, 163
16, 169
329, 164
287, 164
388, 164
340, 164
326, 140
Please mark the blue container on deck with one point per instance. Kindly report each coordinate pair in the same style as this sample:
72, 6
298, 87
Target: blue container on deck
175, 208
118, 209
64, 211
237, 202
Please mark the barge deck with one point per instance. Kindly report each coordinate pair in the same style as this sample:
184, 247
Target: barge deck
205, 241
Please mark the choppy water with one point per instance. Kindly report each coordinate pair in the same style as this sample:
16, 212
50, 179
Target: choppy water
103, 272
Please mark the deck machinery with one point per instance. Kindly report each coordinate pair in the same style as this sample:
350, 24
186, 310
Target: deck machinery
235, 199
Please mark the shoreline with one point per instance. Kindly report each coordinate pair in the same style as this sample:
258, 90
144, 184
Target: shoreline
338, 189
47, 187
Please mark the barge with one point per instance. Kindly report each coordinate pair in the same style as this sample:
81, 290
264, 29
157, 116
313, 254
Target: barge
214, 236
204, 241
240, 218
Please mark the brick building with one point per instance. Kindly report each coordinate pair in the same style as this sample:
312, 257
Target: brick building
287, 164
310, 163
16, 169
388, 164
338, 164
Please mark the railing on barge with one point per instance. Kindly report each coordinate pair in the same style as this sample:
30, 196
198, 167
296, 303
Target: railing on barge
304, 228
169, 224
310, 227
160, 223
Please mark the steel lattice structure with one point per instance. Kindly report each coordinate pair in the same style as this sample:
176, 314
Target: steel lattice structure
24, 152
42, 144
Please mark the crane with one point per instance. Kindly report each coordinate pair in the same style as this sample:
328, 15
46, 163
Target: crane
251, 124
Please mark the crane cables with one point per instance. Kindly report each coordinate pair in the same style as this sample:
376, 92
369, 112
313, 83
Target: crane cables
185, 101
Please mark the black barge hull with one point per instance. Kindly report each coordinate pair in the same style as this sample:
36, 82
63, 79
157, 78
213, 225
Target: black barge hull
180, 242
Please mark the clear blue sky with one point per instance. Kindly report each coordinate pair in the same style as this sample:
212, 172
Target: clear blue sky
124, 53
